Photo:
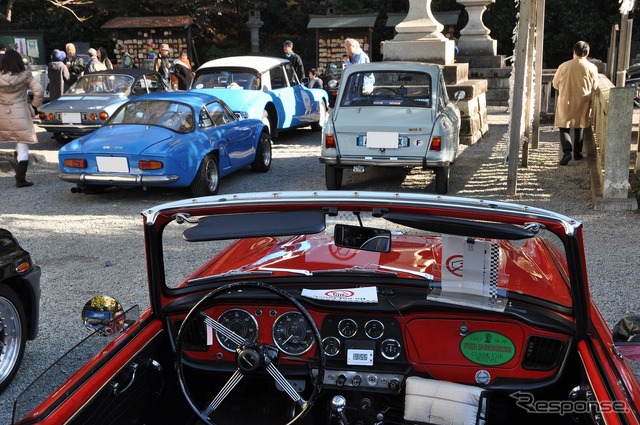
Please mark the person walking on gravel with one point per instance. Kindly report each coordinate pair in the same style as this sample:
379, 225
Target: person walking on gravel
16, 119
575, 80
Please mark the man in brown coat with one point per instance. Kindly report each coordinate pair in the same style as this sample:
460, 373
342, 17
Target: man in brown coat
575, 81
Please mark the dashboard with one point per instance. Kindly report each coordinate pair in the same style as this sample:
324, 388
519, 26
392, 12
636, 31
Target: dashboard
377, 352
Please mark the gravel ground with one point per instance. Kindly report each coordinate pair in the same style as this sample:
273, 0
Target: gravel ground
92, 244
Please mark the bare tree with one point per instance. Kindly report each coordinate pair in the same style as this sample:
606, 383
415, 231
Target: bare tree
68, 5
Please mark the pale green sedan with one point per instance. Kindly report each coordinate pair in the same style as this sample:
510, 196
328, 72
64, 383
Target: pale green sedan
391, 114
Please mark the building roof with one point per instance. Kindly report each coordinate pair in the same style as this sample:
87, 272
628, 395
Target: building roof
342, 21
126, 22
445, 18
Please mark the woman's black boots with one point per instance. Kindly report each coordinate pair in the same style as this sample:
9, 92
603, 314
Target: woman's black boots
21, 172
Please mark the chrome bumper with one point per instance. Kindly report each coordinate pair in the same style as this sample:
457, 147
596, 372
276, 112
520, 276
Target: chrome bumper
115, 179
417, 162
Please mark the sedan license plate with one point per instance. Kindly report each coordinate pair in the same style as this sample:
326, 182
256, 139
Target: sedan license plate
403, 142
112, 164
71, 118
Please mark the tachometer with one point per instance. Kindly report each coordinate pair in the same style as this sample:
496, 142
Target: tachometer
292, 334
239, 321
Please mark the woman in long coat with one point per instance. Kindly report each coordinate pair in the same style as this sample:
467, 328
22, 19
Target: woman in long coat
16, 116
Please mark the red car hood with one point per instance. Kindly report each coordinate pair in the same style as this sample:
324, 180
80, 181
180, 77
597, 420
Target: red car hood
531, 269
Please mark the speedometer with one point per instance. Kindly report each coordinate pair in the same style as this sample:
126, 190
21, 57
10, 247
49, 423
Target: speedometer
292, 334
242, 323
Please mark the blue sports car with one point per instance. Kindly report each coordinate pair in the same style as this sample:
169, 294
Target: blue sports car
171, 139
264, 88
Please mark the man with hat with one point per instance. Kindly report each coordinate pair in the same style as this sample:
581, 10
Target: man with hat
161, 64
58, 73
294, 58
94, 63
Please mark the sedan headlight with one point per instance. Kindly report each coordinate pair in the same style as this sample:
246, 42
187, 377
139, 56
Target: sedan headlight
332, 84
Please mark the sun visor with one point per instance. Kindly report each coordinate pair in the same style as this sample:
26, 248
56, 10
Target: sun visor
248, 225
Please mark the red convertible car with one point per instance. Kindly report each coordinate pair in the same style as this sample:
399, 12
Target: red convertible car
349, 308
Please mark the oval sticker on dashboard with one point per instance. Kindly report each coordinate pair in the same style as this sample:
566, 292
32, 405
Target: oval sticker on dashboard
487, 348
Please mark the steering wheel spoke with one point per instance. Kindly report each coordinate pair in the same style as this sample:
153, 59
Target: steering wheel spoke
224, 392
220, 328
284, 384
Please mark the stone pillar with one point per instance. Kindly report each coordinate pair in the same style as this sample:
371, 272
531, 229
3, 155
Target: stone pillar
254, 23
474, 37
419, 37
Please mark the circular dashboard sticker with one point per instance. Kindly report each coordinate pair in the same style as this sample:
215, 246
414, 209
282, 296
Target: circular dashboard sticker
487, 348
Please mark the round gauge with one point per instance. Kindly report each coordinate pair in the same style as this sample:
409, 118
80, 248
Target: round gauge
390, 349
347, 328
374, 329
292, 334
239, 321
331, 346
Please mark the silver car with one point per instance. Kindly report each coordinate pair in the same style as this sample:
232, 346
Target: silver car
392, 114
88, 103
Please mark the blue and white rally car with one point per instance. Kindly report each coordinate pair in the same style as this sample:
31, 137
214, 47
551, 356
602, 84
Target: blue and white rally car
265, 88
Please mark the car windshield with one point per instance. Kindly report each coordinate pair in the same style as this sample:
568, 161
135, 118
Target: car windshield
174, 116
233, 78
102, 84
388, 88
462, 262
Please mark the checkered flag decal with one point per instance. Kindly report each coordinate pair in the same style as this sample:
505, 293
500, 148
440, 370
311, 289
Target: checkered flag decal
494, 263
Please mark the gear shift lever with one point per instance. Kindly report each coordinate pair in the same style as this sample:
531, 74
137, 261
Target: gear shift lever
338, 403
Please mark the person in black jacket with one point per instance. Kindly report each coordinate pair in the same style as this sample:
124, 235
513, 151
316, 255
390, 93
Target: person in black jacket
294, 58
74, 63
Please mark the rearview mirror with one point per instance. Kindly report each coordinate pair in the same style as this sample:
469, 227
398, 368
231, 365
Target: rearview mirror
365, 238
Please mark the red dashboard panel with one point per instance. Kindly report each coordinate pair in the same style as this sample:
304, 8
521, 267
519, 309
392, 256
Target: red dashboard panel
482, 350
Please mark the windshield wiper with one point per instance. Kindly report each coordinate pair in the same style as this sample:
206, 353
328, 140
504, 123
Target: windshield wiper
294, 271
376, 269
354, 270
228, 274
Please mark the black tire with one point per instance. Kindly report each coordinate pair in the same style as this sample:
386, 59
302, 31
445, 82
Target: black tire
207, 181
317, 126
262, 161
333, 177
13, 335
442, 180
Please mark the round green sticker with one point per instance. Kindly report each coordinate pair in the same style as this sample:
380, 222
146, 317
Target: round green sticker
487, 348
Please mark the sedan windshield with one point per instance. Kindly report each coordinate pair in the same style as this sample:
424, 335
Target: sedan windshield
102, 84
174, 116
388, 88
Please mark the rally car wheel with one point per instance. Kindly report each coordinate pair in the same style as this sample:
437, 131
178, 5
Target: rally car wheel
207, 181
262, 161
13, 335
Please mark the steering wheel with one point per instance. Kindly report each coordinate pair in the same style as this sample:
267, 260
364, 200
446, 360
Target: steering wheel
252, 358
380, 90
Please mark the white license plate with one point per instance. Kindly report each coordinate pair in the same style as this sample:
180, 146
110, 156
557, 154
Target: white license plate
71, 118
112, 164
382, 140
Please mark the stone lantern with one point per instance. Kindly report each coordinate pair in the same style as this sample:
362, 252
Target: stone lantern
255, 23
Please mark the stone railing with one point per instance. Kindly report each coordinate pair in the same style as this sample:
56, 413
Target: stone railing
609, 146
608, 142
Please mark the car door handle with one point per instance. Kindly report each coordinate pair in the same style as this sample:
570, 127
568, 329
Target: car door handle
133, 368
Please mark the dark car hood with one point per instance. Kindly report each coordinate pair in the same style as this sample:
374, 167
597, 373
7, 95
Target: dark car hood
124, 139
77, 103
